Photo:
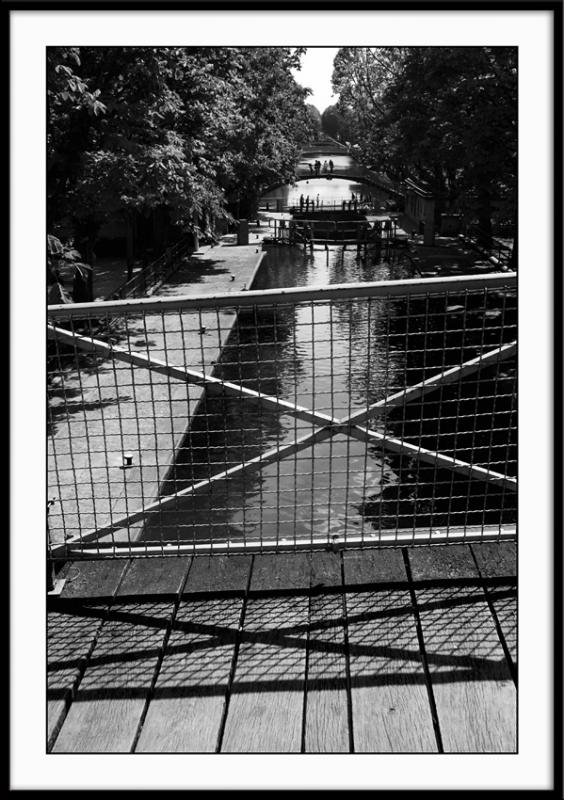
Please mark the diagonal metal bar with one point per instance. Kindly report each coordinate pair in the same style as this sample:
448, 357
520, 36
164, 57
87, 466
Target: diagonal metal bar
431, 457
330, 425
188, 375
275, 454
435, 382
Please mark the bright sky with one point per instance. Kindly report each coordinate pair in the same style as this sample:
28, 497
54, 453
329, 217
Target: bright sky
316, 71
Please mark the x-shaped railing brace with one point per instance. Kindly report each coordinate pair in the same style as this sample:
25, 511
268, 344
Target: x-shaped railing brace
330, 426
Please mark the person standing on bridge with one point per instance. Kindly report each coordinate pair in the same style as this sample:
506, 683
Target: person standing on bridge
310, 165
301, 202
325, 166
331, 165
307, 204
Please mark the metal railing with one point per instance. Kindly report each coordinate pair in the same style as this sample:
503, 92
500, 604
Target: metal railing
372, 414
152, 275
499, 252
336, 232
372, 205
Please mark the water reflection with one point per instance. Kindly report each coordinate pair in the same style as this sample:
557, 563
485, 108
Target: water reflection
337, 359
473, 419
326, 191
331, 359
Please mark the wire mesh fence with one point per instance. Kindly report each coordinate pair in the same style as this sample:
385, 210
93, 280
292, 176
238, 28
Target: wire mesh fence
354, 415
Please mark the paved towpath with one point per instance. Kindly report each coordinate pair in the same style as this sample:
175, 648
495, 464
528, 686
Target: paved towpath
108, 409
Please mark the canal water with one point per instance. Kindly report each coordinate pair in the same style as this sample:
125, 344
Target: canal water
326, 189
336, 359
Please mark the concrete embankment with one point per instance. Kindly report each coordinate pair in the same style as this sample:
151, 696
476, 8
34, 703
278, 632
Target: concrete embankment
111, 409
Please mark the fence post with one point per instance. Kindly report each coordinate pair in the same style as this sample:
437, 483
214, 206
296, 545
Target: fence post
50, 562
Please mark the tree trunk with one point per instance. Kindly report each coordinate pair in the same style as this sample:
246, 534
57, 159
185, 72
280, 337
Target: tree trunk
484, 218
514, 259
129, 245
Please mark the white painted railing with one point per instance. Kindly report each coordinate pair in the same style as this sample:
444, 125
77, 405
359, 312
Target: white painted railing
372, 414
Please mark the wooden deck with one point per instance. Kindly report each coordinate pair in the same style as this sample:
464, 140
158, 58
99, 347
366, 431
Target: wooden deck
407, 650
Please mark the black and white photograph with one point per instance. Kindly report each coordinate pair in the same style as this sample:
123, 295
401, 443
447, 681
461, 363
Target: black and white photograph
294, 382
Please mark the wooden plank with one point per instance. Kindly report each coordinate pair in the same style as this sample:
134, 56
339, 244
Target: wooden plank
187, 706
70, 638
327, 717
160, 575
186, 709
496, 559
503, 597
367, 567
442, 563
499, 560
390, 705
218, 573
281, 572
325, 570
94, 578
265, 711
474, 695
72, 632
113, 692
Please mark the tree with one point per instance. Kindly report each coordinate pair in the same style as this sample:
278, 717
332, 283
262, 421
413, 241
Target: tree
314, 120
338, 123
443, 115
188, 133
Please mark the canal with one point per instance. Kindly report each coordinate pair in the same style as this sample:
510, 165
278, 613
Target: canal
327, 189
336, 359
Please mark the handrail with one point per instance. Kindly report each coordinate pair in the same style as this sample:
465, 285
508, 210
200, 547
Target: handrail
152, 274
498, 249
342, 291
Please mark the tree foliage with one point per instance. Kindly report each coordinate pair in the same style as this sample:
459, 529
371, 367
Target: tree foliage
443, 115
337, 122
194, 131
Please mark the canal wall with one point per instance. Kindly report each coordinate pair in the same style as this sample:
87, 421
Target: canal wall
98, 414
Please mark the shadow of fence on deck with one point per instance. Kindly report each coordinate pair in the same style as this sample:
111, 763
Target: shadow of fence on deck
371, 658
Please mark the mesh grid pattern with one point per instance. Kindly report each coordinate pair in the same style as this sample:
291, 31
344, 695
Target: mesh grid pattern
374, 414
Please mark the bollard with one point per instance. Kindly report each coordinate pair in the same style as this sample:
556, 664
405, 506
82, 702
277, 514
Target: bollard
242, 231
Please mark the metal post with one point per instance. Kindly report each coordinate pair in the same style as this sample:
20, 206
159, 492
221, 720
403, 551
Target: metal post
50, 562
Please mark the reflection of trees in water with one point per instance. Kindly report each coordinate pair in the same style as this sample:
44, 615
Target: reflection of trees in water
473, 419
364, 324
260, 354
282, 267
353, 353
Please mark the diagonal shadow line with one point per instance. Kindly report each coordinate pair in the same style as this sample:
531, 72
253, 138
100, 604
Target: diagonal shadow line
222, 636
496, 671
194, 627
